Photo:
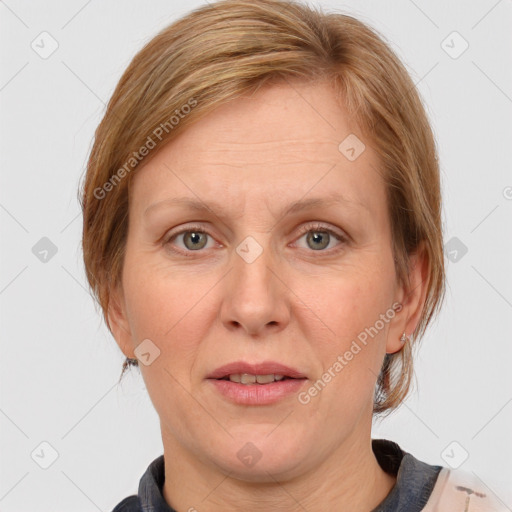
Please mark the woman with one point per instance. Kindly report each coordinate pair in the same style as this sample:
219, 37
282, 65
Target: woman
262, 228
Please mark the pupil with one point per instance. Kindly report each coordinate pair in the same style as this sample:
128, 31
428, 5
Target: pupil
317, 237
194, 237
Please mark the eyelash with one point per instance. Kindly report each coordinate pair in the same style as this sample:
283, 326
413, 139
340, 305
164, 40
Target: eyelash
315, 227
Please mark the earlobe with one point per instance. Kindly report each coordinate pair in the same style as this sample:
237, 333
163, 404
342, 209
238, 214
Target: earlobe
118, 323
394, 346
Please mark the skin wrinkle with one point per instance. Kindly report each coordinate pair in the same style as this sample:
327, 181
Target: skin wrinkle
171, 205
309, 149
292, 305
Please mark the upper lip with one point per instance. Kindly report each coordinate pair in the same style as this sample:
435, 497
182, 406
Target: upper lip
265, 368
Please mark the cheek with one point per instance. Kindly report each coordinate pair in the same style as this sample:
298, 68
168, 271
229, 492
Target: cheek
164, 307
168, 307
345, 324
345, 303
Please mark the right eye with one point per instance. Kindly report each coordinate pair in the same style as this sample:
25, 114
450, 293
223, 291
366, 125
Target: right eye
193, 239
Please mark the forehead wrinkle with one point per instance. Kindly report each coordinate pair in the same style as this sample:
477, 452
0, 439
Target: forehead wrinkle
303, 141
221, 210
243, 164
306, 147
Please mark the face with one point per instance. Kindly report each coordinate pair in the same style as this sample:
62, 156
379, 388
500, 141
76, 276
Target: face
244, 278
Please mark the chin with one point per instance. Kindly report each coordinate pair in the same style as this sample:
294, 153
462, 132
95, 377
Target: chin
259, 457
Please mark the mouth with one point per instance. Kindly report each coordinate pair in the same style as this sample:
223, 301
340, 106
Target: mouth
249, 379
252, 373
256, 384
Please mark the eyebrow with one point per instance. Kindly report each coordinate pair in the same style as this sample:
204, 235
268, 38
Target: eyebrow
295, 207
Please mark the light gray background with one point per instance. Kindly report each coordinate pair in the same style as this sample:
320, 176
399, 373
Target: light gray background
59, 365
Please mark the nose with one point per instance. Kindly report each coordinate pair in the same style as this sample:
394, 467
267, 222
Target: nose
255, 295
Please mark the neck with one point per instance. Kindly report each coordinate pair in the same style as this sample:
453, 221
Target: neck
350, 479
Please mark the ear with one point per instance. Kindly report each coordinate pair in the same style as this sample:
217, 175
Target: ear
118, 322
412, 298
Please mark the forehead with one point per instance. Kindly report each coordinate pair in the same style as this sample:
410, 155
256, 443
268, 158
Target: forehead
274, 147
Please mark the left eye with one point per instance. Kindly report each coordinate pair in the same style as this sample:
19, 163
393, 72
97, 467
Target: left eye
320, 237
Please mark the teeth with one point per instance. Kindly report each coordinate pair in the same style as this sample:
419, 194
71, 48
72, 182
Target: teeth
246, 378
265, 379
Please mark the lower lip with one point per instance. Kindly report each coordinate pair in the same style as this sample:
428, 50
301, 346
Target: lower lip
258, 394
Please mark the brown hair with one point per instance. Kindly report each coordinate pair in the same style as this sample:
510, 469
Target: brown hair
223, 50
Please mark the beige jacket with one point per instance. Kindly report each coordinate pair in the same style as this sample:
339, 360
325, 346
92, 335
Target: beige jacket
461, 491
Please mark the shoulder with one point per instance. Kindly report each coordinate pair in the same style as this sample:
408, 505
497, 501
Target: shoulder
129, 504
458, 489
